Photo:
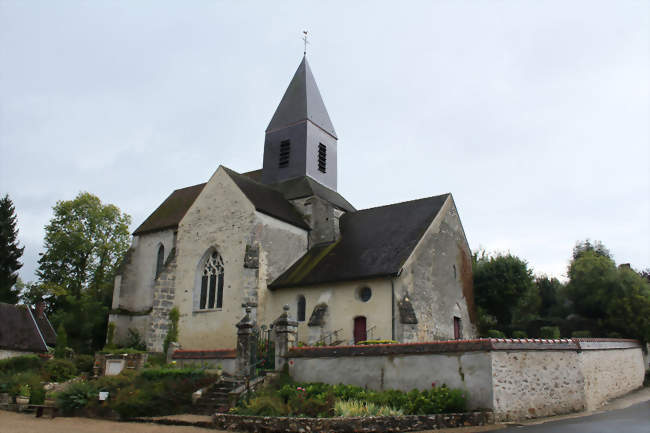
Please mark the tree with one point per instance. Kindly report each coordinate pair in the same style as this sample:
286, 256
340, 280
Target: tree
504, 288
84, 244
551, 292
10, 252
615, 299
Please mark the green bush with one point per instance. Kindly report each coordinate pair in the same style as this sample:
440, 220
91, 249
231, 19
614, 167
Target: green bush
519, 334
76, 396
59, 370
172, 373
19, 364
156, 360
552, 332
12, 382
263, 405
495, 333
581, 334
370, 342
84, 363
319, 399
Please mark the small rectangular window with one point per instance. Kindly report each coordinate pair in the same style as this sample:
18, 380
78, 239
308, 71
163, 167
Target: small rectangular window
285, 151
322, 157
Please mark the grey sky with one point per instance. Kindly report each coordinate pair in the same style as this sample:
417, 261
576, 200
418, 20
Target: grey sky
533, 114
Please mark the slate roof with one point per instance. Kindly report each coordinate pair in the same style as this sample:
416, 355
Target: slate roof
374, 242
267, 200
305, 187
171, 211
301, 101
19, 330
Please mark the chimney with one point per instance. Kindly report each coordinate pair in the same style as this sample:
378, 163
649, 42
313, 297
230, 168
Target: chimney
40, 309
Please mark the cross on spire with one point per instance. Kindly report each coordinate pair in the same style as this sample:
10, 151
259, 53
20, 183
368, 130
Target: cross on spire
304, 38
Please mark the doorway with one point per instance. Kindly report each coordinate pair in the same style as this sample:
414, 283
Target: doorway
360, 329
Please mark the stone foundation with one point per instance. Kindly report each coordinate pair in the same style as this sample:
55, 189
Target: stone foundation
243, 423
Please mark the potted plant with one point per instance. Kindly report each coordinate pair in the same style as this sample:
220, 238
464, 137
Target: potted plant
219, 370
24, 393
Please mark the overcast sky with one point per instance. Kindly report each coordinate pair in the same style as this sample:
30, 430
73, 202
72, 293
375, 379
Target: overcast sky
534, 115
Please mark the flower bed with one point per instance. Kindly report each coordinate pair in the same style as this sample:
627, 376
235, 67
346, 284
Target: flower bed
283, 397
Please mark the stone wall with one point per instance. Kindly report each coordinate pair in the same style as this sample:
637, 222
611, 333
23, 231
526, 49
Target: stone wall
366, 424
209, 359
4, 353
517, 379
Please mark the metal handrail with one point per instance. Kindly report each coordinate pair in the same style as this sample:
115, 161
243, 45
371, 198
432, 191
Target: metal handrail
335, 333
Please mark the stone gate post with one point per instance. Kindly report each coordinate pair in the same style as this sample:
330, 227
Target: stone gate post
245, 340
285, 337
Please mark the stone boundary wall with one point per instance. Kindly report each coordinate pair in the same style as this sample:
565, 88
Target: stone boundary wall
517, 378
242, 423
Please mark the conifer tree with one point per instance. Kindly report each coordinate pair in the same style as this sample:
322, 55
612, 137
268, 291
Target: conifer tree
10, 252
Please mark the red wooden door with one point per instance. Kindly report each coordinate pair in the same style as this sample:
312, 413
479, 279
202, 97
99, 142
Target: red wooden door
457, 334
360, 329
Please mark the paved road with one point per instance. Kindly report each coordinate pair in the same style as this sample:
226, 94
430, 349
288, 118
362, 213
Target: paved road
634, 419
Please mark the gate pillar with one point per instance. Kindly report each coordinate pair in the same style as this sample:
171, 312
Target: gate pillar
246, 345
285, 337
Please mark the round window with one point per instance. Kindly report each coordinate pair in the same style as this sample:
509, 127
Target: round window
365, 293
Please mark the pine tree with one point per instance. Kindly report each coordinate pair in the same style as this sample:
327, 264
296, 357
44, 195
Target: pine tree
10, 253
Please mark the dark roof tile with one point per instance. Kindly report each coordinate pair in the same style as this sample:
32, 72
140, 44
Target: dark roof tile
18, 330
171, 211
374, 242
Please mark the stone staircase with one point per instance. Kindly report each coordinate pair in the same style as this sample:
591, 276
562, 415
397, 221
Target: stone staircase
216, 397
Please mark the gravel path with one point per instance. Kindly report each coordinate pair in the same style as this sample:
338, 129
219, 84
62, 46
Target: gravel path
12, 422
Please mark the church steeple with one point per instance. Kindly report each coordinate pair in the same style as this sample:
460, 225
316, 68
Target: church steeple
300, 139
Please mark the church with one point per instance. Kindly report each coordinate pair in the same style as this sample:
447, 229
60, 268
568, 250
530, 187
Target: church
283, 235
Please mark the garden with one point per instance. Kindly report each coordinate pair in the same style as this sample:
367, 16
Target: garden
156, 390
282, 396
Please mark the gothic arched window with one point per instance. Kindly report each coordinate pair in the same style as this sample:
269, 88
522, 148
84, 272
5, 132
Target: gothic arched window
301, 308
212, 282
160, 261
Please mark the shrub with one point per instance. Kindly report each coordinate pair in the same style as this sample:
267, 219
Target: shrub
134, 340
495, 333
84, 363
369, 342
581, 334
264, 405
519, 334
172, 334
59, 370
156, 360
314, 406
172, 373
355, 408
21, 363
549, 332
12, 384
77, 395
61, 342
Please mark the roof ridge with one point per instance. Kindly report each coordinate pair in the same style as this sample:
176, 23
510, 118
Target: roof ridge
402, 202
188, 187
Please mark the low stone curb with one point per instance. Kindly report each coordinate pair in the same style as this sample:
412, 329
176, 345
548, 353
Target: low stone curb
172, 421
255, 424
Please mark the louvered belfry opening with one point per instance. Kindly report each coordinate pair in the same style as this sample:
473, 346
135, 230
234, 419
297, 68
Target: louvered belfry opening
285, 152
322, 158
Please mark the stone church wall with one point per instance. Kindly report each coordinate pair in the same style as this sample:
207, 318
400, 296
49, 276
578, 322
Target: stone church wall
436, 280
343, 305
254, 248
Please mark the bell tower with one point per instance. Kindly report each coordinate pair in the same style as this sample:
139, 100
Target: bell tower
300, 139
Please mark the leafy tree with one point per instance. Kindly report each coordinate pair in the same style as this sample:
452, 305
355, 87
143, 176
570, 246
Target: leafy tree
615, 299
84, 243
504, 289
551, 292
61, 342
10, 252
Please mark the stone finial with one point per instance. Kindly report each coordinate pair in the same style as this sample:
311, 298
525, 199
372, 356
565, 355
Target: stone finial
286, 308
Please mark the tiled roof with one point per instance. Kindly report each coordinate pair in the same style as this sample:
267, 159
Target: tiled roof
19, 330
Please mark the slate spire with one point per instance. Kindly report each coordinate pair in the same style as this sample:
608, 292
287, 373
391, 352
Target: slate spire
301, 101
300, 140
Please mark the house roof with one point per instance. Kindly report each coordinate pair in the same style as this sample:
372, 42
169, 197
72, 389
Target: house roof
171, 211
306, 186
19, 330
267, 200
374, 242
302, 101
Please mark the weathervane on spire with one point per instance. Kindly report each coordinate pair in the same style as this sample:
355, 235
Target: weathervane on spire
304, 38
